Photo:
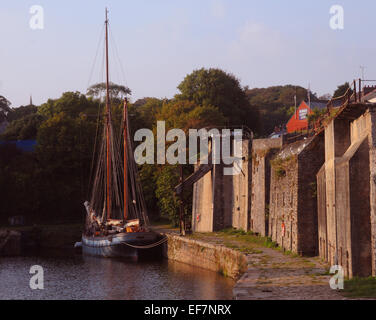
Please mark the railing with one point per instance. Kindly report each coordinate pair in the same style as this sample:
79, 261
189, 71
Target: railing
352, 94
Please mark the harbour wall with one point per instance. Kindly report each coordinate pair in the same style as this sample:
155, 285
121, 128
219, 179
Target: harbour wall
205, 255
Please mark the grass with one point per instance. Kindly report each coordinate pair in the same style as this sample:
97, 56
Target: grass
248, 237
360, 288
250, 243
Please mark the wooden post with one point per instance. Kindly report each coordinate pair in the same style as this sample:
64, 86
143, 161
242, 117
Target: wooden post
108, 112
125, 160
181, 213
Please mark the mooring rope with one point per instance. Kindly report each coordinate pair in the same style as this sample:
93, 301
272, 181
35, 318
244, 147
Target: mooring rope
158, 243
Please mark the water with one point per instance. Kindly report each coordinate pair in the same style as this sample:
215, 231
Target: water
101, 279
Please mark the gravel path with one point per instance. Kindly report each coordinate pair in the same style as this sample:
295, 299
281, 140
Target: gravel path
272, 275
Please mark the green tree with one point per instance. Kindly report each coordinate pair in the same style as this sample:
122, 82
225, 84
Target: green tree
167, 177
72, 104
341, 90
18, 179
117, 92
214, 87
274, 105
21, 112
25, 128
64, 151
186, 114
315, 115
142, 113
4, 108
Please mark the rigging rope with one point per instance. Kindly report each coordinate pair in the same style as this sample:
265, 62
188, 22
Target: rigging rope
150, 246
96, 55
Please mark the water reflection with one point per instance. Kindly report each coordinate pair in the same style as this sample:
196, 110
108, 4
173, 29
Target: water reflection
96, 278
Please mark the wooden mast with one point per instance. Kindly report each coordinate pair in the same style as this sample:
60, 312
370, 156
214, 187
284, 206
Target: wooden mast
108, 119
125, 160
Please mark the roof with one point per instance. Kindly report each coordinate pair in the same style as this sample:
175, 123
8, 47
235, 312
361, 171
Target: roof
370, 96
24, 145
277, 134
317, 105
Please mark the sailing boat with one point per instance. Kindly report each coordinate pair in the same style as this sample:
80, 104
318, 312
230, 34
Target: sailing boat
116, 224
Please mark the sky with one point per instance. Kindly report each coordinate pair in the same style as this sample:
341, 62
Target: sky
159, 42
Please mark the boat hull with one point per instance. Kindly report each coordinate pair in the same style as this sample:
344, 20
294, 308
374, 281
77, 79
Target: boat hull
119, 245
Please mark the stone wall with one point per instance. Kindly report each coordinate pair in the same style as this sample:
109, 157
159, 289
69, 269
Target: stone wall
202, 207
212, 257
293, 205
283, 203
371, 128
262, 152
222, 201
310, 159
346, 217
241, 185
321, 214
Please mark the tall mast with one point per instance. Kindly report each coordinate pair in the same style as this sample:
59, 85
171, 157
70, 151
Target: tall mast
125, 116
108, 119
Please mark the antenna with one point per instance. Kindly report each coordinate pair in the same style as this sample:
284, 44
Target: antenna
309, 95
295, 97
362, 68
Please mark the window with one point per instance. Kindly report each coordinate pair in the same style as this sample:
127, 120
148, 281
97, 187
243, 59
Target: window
303, 114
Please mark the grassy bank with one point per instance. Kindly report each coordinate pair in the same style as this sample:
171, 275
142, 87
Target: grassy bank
360, 288
246, 242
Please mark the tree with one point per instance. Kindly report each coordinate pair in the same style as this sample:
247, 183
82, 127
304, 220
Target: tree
21, 112
147, 109
214, 87
18, 180
315, 115
341, 90
185, 115
167, 177
54, 178
117, 92
4, 108
4, 104
25, 128
326, 96
72, 104
276, 105
64, 151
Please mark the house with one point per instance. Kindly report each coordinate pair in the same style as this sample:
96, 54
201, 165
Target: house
369, 94
299, 119
278, 132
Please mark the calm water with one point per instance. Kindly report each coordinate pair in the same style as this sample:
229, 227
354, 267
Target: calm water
97, 278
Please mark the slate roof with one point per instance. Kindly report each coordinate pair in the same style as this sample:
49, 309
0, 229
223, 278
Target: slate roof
24, 145
317, 105
369, 96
